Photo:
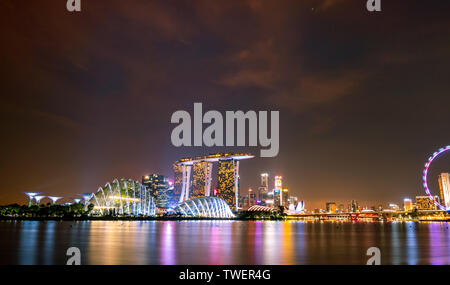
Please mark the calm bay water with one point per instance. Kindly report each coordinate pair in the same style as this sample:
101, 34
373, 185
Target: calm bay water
223, 242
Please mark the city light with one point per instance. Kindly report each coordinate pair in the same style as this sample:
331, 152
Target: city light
425, 174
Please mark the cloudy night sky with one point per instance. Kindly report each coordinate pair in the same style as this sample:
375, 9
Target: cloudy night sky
364, 98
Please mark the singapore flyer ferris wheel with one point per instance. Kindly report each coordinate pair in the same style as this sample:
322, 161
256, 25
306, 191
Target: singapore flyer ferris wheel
425, 174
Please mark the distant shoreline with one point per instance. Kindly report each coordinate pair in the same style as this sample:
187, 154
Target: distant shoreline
73, 219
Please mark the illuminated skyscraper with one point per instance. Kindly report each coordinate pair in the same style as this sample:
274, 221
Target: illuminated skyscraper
202, 178
331, 207
264, 180
285, 197
394, 207
407, 204
161, 189
444, 186
354, 206
263, 189
178, 182
182, 182
277, 192
228, 182
278, 182
201, 167
251, 198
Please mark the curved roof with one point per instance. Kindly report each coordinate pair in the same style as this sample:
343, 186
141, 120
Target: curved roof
123, 197
258, 208
208, 207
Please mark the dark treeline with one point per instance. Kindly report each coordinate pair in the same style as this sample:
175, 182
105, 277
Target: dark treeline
79, 211
76, 210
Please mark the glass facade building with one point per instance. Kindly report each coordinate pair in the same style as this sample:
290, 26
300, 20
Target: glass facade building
160, 188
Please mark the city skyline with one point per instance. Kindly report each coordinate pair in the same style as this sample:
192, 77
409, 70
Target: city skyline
362, 97
264, 187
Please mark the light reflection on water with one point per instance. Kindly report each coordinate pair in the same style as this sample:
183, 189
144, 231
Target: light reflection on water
223, 242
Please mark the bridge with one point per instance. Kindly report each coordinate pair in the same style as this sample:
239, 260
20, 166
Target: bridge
372, 215
337, 216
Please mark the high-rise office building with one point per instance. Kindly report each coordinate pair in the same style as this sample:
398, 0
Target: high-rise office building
161, 188
228, 182
264, 180
263, 189
251, 198
243, 202
277, 192
354, 206
178, 182
285, 198
444, 186
331, 207
407, 204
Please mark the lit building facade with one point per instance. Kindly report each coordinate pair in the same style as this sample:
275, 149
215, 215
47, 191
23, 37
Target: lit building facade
161, 188
178, 182
407, 204
444, 187
263, 188
277, 192
285, 198
202, 179
353, 207
251, 198
228, 182
331, 207
123, 197
200, 168
425, 203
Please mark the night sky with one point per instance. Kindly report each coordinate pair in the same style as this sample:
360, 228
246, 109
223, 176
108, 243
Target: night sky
364, 98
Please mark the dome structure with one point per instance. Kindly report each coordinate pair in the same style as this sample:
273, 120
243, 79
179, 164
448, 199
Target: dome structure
207, 207
258, 208
123, 197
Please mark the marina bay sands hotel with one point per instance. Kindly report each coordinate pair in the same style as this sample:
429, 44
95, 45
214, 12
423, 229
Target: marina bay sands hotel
200, 169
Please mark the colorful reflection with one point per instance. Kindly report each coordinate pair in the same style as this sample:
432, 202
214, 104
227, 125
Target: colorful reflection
223, 242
